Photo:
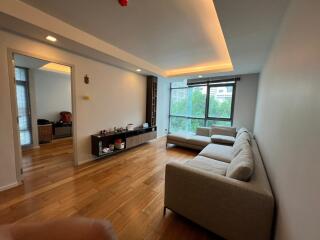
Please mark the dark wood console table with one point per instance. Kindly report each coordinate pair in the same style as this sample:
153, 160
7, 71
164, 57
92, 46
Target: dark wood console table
130, 138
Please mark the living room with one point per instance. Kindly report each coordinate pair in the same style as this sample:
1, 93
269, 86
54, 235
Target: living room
175, 79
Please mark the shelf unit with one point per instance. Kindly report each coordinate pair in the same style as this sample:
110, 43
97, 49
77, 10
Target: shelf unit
152, 88
130, 138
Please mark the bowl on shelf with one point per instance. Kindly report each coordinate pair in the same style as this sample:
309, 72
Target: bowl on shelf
130, 127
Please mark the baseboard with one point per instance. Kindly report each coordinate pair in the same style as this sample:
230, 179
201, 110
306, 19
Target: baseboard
12, 185
163, 136
86, 161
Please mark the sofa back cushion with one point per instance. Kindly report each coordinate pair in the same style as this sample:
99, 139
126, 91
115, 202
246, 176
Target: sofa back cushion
203, 131
227, 131
242, 166
240, 141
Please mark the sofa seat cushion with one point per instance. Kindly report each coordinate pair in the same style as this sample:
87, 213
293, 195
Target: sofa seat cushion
223, 139
178, 137
199, 140
209, 165
218, 152
242, 166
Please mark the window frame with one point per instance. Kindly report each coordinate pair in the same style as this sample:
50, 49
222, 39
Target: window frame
233, 85
209, 85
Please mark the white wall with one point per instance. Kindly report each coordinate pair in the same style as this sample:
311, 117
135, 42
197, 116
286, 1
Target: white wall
287, 122
117, 97
53, 94
163, 106
245, 101
7, 154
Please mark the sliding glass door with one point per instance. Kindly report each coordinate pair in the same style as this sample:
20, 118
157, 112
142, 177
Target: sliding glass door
187, 108
23, 103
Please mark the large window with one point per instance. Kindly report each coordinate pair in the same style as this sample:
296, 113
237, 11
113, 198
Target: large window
24, 113
200, 105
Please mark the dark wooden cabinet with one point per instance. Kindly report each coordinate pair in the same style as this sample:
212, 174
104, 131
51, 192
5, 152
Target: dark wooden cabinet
45, 133
152, 88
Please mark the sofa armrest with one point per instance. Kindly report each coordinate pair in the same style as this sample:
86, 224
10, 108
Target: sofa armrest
226, 206
203, 131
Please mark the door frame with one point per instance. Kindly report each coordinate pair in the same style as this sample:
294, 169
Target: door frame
14, 109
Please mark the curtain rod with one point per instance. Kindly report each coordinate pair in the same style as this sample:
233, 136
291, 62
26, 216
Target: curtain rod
211, 80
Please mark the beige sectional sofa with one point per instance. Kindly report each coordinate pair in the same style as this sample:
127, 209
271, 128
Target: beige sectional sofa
224, 189
203, 136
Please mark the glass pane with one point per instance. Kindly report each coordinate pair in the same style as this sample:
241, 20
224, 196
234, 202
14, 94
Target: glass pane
21, 74
179, 84
188, 102
179, 102
186, 125
21, 99
25, 137
195, 123
178, 124
218, 123
23, 123
197, 106
220, 102
17, 73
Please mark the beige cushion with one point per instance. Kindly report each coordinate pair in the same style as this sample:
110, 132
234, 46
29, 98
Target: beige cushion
222, 139
227, 131
199, 140
178, 136
203, 131
242, 166
209, 165
243, 139
218, 152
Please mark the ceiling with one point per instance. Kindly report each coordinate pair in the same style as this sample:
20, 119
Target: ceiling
38, 64
180, 37
169, 34
249, 27
28, 62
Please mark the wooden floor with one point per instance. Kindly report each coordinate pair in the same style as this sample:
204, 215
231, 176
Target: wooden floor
127, 189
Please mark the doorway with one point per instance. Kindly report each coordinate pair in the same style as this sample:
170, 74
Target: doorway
43, 94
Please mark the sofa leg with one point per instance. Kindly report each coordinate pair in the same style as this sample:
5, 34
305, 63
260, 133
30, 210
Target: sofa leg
164, 211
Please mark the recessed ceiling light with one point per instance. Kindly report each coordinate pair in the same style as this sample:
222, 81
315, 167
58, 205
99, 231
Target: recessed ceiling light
138, 70
51, 38
200, 76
